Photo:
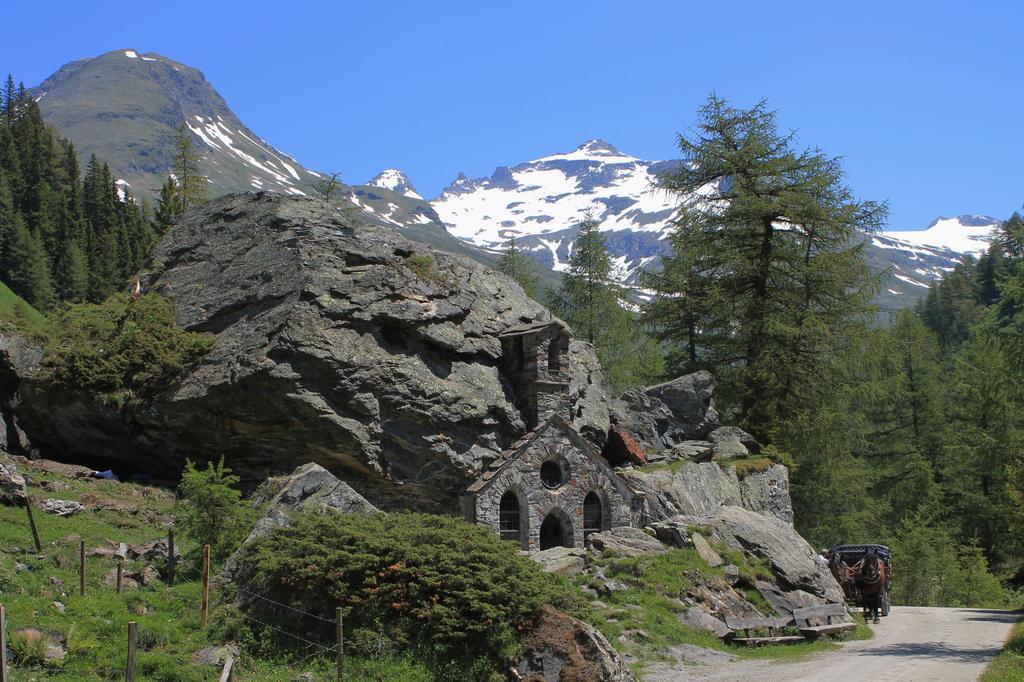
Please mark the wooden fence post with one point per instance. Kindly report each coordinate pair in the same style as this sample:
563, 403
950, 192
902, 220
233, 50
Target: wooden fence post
3, 645
170, 556
81, 567
120, 573
340, 644
133, 640
206, 584
228, 674
31, 519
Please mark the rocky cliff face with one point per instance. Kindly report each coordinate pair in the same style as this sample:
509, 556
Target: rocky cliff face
339, 343
19, 357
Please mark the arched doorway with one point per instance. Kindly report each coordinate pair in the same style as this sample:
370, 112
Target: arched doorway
593, 518
553, 532
509, 526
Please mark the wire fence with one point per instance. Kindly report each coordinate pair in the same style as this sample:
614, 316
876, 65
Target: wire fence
308, 650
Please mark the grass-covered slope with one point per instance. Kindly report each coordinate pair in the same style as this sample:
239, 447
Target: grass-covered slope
16, 313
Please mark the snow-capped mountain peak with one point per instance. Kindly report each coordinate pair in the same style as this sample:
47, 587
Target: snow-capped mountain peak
396, 181
963, 234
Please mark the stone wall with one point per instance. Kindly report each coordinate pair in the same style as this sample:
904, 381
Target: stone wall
536, 501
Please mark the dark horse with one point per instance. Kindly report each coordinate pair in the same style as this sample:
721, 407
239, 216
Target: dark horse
845, 575
871, 582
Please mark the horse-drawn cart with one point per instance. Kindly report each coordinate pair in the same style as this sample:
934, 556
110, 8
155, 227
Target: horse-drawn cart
865, 574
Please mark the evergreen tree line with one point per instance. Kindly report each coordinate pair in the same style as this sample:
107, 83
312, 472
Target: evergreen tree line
65, 236
909, 433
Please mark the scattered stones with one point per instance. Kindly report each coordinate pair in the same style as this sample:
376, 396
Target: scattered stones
565, 561
214, 655
611, 586
61, 609
56, 643
626, 542
732, 574
55, 486
790, 557
709, 555
61, 507
12, 484
699, 617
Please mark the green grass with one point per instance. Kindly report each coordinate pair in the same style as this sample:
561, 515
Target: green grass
95, 625
1009, 664
17, 313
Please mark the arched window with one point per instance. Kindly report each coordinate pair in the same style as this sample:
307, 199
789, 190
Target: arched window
593, 518
508, 517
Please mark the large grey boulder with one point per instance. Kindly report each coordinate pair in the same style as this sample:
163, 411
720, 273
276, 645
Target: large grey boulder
560, 647
700, 488
667, 414
767, 492
309, 488
339, 343
688, 488
626, 541
791, 558
567, 561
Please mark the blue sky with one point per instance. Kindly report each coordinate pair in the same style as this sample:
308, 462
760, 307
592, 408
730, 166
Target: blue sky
924, 100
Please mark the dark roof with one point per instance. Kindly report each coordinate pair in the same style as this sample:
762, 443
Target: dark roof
532, 328
523, 443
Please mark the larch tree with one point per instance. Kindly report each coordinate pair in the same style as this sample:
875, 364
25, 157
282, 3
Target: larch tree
768, 268
592, 302
520, 267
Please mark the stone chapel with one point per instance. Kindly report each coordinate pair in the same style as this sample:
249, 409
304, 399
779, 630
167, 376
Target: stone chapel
552, 488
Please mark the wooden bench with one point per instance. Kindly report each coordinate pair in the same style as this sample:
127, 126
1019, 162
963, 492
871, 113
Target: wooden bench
773, 626
823, 615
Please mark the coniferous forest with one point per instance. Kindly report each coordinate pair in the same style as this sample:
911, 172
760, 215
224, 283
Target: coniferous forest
905, 429
64, 235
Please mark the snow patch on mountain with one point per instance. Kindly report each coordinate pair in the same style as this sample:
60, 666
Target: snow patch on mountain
396, 181
963, 234
540, 203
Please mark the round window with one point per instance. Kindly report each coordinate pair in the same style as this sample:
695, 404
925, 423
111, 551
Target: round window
551, 474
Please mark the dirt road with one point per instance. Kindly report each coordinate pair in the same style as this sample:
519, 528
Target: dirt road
912, 644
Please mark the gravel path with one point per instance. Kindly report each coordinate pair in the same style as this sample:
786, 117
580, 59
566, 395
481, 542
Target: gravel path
912, 644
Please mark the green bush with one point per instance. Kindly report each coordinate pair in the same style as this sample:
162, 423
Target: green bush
122, 348
211, 510
423, 265
449, 590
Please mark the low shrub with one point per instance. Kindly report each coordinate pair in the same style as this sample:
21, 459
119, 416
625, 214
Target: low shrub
423, 265
211, 510
121, 348
449, 590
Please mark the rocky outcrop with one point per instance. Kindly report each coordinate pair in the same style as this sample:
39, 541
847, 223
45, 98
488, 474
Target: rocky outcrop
561, 648
309, 488
792, 560
338, 343
767, 492
667, 414
19, 358
701, 488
